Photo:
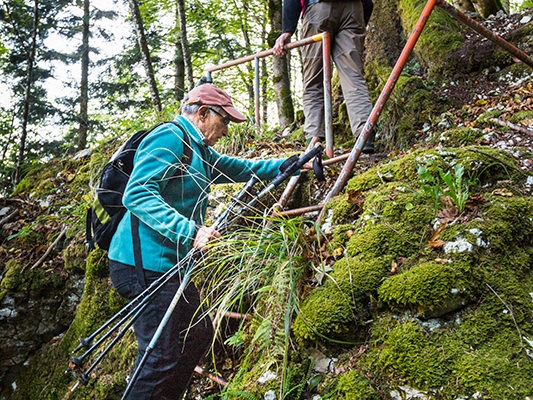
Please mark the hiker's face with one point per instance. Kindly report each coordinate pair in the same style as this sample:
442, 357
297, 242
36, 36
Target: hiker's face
214, 124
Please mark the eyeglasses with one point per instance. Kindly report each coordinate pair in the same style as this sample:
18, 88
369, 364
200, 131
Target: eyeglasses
225, 119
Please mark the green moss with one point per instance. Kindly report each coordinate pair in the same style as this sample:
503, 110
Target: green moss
407, 354
519, 116
460, 137
337, 308
384, 240
75, 256
493, 371
12, 279
429, 288
18, 278
439, 38
354, 386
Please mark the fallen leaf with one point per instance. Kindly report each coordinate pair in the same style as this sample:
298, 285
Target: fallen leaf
502, 192
434, 242
447, 215
338, 252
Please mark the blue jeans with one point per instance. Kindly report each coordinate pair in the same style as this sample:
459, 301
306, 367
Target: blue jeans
183, 342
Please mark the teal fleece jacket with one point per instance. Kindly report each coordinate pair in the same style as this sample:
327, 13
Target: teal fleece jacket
170, 208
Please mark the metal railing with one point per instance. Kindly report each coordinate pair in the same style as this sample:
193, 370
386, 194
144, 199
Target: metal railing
326, 55
352, 157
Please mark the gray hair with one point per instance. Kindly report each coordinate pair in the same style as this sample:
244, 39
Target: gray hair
190, 109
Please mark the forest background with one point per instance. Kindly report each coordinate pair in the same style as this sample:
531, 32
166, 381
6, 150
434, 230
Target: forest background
74, 72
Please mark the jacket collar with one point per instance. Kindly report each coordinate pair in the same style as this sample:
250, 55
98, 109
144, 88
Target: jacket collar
197, 135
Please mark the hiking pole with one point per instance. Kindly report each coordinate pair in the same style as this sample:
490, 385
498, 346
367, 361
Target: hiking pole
288, 168
184, 282
135, 307
125, 313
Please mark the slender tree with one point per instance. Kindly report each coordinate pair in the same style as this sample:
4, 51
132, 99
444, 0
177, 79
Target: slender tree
145, 53
185, 43
280, 70
84, 83
179, 64
28, 87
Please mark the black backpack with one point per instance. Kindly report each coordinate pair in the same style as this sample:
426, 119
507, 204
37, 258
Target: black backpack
107, 209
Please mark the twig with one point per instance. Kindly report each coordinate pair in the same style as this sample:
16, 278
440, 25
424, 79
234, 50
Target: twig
514, 127
512, 315
49, 250
5, 220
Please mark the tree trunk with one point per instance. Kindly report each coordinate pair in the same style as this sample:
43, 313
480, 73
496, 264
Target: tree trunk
185, 44
84, 84
280, 71
145, 54
247, 45
179, 66
27, 94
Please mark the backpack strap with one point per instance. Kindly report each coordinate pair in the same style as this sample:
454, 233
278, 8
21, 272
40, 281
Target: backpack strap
187, 152
186, 162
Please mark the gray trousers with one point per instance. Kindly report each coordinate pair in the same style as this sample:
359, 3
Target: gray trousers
344, 20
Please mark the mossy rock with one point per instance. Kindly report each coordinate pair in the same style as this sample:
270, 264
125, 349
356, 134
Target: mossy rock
352, 385
18, 278
440, 38
339, 307
430, 289
75, 257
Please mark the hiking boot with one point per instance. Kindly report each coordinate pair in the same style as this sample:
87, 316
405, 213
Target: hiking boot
369, 145
369, 148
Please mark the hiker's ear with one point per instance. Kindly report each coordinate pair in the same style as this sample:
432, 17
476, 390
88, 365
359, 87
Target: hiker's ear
203, 111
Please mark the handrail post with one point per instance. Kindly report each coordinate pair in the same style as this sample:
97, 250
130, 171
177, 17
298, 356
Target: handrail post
257, 95
328, 123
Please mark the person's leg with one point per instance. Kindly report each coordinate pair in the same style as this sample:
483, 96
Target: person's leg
347, 52
168, 370
314, 22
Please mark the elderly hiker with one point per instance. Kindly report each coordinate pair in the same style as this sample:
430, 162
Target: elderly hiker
346, 21
164, 220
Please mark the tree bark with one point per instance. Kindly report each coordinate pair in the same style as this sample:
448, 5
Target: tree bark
280, 71
145, 54
27, 94
185, 44
179, 66
84, 84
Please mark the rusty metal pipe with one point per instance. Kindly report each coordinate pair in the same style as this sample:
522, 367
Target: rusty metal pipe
326, 62
265, 53
257, 95
302, 210
380, 103
498, 40
215, 378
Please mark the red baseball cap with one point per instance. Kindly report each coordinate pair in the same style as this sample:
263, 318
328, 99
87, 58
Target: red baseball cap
210, 95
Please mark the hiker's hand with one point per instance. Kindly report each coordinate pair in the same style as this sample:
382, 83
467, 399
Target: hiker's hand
281, 41
204, 235
307, 166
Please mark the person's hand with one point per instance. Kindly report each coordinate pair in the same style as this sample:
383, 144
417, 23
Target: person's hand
281, 41
204, 235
